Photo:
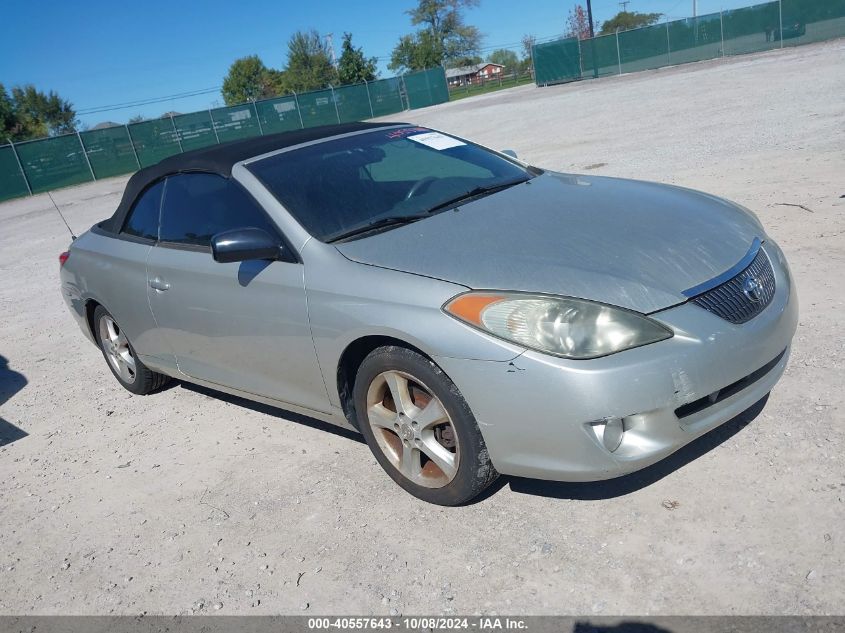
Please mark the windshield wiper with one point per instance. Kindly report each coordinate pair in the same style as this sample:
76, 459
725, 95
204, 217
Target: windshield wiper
475, 193
393, 220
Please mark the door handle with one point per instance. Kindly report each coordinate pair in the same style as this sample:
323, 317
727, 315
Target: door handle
157, 283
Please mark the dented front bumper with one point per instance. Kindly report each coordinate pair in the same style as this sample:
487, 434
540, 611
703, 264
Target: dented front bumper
541, 416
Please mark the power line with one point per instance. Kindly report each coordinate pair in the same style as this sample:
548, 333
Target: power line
141, 102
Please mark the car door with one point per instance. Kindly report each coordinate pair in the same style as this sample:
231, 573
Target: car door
244, 324
122, 277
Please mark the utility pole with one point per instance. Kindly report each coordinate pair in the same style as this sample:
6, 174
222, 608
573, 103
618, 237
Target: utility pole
330, 46
592, 39
624, 4
695, 20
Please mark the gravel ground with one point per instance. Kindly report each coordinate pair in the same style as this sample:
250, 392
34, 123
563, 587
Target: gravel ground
188, 501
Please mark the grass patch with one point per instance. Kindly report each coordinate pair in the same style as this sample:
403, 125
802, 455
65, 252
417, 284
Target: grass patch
461, 92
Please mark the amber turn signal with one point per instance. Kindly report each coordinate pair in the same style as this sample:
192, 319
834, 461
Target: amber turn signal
469, 307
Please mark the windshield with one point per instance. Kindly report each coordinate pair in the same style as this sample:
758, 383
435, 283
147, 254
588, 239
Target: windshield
378, 180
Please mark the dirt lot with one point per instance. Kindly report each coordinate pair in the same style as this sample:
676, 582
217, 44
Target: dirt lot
188, 501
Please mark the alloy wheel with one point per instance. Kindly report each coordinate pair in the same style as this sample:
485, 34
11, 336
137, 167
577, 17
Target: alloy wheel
117, 350
413, 429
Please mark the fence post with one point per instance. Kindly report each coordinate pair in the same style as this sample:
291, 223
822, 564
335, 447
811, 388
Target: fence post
176, 132
298, 111
592, 52
20, 166
132, 145
336, 111
722, 30
213, 126
369, 99
403, 89
85, 154
618, 52
780, 20
531, 69
258, 118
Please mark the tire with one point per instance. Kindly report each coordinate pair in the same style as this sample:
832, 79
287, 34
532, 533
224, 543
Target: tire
121, 358
414, 440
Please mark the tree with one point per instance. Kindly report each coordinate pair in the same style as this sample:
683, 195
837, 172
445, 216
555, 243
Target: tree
137, 119
460, 62
309, 63
506, 58
248, 80
276, 82
29, 113
627, 20
7, 112
353, 67
578, 24
415, 52
528, 42
443, 38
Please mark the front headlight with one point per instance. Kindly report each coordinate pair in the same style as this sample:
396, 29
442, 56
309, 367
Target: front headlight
572, 328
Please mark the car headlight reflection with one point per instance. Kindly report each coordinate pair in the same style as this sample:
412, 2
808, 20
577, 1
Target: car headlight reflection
571, 328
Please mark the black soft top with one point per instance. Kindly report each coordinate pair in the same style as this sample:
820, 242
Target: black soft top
219, 159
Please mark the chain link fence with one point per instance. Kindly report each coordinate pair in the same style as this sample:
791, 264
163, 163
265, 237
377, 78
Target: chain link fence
760, 27
41, 165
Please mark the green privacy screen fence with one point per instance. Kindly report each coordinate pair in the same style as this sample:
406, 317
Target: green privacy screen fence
746, 30
557, 61
50, 163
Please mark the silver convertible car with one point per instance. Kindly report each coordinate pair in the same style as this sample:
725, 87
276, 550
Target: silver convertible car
467, 313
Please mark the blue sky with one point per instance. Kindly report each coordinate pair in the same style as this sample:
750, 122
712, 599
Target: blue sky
101, 52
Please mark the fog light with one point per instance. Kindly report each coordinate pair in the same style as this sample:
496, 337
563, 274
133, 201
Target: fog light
612, 436
609, 431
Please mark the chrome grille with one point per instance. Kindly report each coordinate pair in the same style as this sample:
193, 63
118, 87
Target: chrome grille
734, 299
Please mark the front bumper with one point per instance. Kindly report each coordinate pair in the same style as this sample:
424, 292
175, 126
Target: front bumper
539, 414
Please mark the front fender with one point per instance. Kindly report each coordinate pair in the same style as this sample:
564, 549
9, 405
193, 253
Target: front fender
348, 301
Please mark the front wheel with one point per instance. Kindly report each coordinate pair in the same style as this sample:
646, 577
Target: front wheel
121, 358
420, 428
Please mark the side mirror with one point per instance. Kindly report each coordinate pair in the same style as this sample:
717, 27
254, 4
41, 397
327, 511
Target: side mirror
509, 152
239, 245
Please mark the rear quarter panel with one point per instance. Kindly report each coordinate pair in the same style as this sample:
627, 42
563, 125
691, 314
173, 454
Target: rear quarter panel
111, 272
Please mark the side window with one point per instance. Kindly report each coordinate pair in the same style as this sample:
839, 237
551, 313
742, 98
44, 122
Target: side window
143, 218
198, 206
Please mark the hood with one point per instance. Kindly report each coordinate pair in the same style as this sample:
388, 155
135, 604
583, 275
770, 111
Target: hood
627, 243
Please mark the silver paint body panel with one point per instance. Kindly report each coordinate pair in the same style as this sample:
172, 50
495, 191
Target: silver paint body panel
275, 332
633, 244
534, 412
242, 325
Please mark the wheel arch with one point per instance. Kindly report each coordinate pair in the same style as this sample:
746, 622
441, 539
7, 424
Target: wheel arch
352, 357
91, 306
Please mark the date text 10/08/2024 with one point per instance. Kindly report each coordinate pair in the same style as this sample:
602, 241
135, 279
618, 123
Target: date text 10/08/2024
419, 623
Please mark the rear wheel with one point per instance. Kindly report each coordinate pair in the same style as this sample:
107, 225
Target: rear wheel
420, 428
121, 358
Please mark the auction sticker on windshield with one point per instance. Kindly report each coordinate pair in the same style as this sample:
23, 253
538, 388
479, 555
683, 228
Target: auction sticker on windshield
436, 140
